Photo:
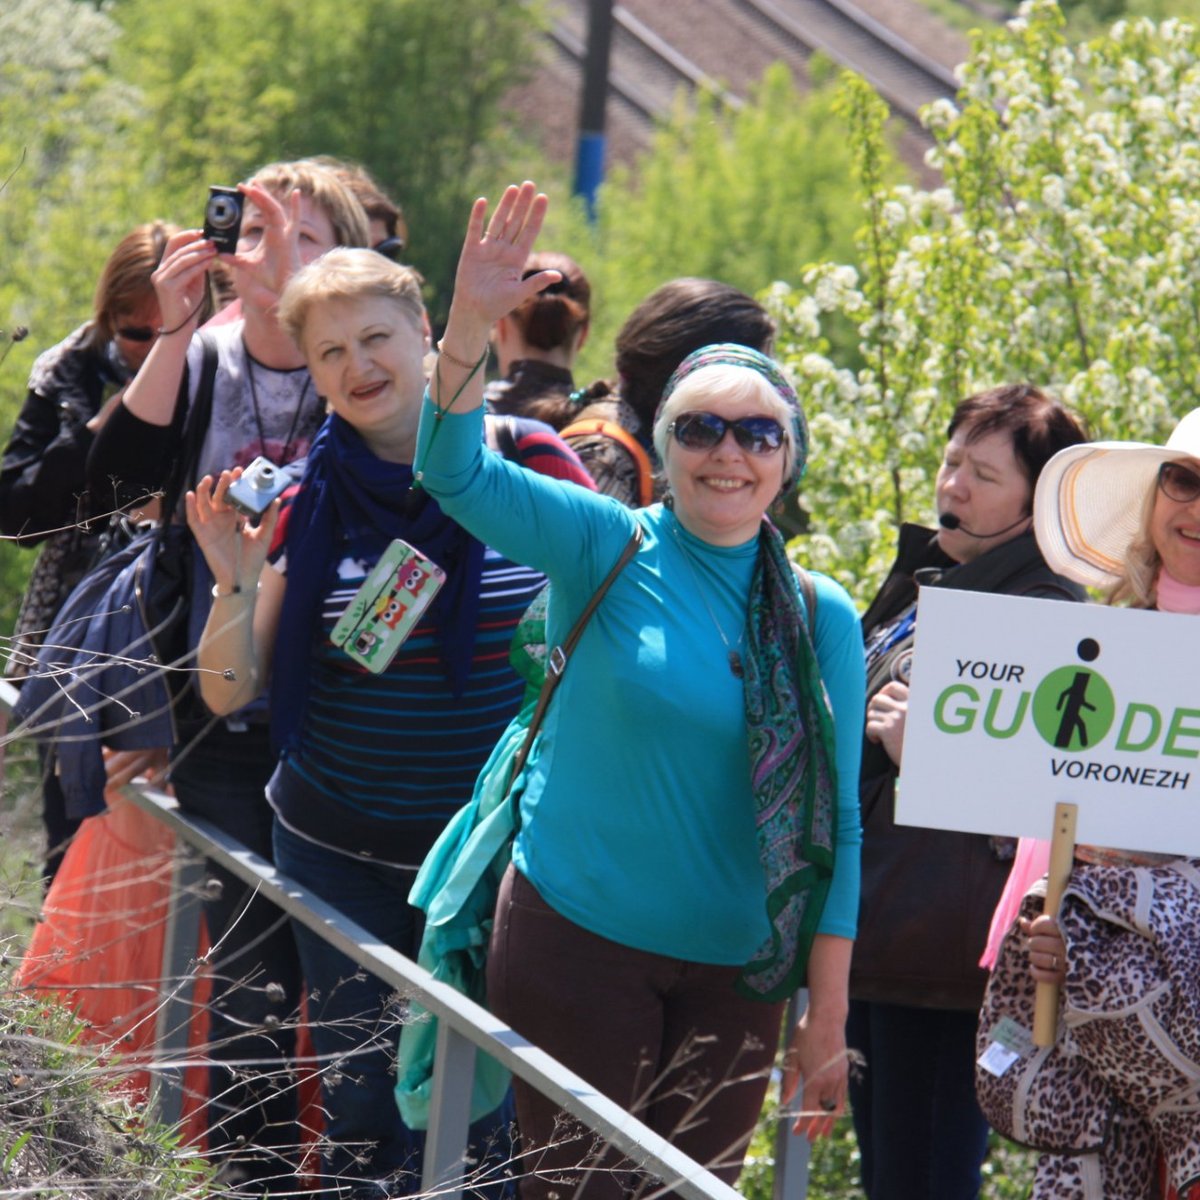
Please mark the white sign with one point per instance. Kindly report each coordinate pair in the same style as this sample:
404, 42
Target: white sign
1017, 704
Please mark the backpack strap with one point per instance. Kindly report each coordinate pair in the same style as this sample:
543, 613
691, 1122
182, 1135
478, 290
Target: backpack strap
192, 421
556, 661
501, 435
592, 426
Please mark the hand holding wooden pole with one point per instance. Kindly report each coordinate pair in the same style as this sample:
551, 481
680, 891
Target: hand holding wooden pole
1062, 853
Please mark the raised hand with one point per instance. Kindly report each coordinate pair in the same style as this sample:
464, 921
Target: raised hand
489, 283
179, 280
234, 549
271, 234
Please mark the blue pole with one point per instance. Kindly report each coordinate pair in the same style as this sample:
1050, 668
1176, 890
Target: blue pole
589, 159
589, 168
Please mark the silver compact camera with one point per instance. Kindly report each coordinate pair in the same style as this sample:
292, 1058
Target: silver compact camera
223, 218
258, 485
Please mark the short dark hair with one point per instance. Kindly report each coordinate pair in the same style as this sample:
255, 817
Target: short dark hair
1039, 425
675, 319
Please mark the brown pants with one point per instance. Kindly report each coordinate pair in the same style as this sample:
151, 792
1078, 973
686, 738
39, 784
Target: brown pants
672, 1041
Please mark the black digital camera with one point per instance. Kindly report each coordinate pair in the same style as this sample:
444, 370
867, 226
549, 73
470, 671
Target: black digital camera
223, 218
257, 486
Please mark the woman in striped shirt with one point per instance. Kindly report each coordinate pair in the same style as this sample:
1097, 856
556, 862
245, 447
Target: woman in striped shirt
380, 735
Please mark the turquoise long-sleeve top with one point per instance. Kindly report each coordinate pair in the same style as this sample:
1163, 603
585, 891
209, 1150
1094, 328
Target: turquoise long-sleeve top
637, 815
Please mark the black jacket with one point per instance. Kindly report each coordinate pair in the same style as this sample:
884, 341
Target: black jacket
42, 475
928, 894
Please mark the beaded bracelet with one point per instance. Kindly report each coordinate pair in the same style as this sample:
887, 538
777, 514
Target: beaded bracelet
458, 362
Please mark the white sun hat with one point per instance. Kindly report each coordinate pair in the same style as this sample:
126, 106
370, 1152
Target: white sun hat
1090, 500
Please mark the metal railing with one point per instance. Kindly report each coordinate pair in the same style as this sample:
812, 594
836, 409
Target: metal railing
464, 1028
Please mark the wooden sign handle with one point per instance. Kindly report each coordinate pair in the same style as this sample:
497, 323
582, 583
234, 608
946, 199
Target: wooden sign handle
1062, 854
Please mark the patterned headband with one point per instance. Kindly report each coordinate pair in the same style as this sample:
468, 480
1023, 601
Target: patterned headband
731, 354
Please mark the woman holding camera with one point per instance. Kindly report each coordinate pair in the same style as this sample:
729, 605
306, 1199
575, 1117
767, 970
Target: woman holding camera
380, 734
680, 866
263, 403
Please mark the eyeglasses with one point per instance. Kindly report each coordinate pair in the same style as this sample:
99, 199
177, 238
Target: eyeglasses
704, 430
391, 248
137, 333
1178, 483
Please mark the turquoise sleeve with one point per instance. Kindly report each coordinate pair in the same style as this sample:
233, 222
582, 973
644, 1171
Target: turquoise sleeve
839, 646
571, 535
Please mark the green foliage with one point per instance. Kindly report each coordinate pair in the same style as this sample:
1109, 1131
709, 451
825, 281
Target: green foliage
65, 202
408, 88
745, 196
834, 1165
1062, 250
58, 217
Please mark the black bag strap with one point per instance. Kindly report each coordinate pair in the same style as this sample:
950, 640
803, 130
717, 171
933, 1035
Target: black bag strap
557, 659
193, 422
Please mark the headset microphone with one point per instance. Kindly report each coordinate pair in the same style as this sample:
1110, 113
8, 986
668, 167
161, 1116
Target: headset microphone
952, 521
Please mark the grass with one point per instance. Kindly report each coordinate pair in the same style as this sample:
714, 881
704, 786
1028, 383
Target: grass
66, 1126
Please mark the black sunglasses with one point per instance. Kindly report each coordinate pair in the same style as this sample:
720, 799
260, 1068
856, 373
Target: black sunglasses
1178, 483
704, 430
391, 248
137, 333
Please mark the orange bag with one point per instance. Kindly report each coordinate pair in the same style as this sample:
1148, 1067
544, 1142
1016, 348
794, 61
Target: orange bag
99, 943
99, 948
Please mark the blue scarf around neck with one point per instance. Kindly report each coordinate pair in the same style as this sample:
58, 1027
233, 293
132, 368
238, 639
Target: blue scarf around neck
346, 490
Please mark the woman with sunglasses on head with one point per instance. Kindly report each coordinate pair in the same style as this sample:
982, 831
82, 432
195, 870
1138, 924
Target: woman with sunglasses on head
1124, 517
73, 388
927, 895
688, 845
387, 227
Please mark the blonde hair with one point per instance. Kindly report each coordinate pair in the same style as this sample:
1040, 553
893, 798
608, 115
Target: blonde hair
1138, 582
348, 274
325, 189
725, 382
377, 204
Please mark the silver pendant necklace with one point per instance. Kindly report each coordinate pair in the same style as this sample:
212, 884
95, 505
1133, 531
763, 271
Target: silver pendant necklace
732, 649
258, 421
